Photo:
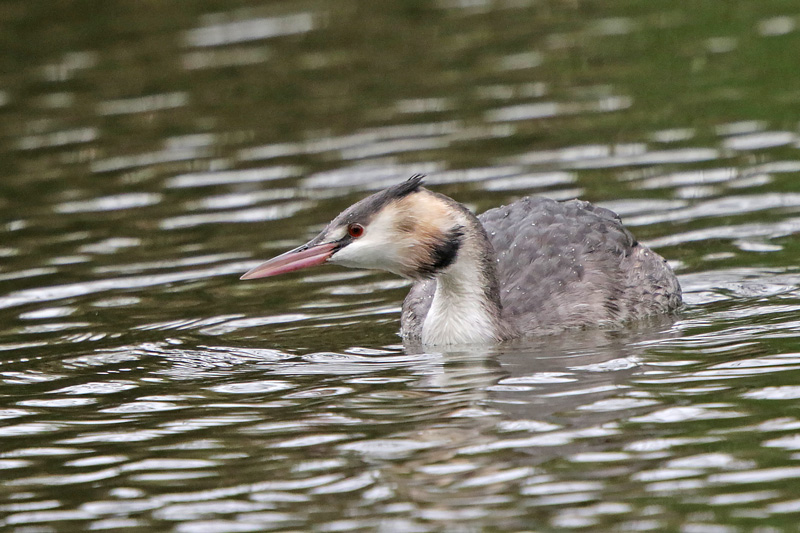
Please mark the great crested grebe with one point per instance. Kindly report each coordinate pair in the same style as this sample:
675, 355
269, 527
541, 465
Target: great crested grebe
534, 267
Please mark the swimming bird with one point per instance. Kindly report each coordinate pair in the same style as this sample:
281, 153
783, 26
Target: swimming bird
530, 268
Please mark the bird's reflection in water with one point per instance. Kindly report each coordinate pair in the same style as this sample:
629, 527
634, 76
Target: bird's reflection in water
481, 422
445, 433
578, 383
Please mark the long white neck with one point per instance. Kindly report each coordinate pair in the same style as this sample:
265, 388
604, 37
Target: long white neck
465, 307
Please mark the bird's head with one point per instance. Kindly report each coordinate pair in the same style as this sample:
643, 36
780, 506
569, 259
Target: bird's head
405, 229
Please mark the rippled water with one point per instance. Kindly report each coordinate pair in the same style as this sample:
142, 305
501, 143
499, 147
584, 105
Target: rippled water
154, 151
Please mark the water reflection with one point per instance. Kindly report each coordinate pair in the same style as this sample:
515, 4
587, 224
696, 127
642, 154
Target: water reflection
385, 427
479, 393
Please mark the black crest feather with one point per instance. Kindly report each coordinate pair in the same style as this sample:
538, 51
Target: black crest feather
364, 210
407, 187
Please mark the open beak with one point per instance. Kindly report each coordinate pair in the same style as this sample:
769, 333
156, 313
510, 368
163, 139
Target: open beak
302, 257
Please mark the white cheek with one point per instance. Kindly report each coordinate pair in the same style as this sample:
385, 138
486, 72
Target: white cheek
367, 252
380, 248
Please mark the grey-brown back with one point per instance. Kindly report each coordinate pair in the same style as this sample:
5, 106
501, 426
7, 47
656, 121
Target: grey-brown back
563, 265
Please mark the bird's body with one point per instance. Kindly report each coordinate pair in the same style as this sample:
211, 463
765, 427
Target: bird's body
562, 265
530, 268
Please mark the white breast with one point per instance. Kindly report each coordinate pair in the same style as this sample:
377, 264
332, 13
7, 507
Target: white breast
457, 314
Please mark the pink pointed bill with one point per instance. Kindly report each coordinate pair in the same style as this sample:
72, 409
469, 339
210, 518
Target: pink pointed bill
292, 260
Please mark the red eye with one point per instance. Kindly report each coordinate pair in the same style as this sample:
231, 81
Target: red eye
355, 230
